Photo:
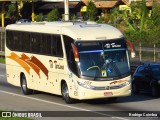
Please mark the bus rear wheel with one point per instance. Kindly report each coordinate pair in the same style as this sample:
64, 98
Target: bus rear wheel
65, 94
25, 89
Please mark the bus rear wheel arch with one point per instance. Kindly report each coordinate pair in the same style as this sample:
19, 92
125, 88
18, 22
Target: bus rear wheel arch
23, 83
65, 93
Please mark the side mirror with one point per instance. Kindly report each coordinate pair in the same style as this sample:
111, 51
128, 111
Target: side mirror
133, 53
75, 52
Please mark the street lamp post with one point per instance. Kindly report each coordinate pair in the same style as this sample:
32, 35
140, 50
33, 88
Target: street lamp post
66, 8
2, 14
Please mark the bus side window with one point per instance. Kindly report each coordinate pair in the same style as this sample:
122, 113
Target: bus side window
35, 42
53, 46
46, 44
25, 41
16, 41
9, 39
59, 46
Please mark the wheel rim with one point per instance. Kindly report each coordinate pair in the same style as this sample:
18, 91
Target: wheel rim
24, 86
65, 91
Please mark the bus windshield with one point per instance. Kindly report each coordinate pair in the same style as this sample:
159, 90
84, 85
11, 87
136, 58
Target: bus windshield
103, 59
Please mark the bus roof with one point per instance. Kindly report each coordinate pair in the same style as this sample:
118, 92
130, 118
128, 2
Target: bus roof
76, 30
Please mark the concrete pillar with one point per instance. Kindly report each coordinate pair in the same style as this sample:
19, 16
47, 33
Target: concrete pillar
66, 8
3, 3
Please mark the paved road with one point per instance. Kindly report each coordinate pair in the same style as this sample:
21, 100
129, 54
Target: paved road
12, 99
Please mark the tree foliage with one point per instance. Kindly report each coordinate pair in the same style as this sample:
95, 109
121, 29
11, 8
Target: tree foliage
53, 15
91, 11
39, 17
11, 12
136, 23
154, 23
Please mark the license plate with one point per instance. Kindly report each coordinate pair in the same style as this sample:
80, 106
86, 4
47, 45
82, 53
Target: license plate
108, 93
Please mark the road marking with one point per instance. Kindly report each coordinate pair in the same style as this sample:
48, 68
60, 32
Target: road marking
120, 118
77, 108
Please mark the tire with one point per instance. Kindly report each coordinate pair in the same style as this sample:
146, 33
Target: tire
154, 91
65, 94
24, 87
135, 89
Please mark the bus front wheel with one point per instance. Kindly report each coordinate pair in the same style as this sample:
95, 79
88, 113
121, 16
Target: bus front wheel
65, 94
25, 89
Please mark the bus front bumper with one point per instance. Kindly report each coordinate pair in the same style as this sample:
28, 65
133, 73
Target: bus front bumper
84, 93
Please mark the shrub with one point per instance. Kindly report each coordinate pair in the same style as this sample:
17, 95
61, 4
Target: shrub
53, 15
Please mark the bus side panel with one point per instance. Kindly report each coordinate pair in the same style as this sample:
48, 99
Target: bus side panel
13, 72
15, 66
11, 75
65, 77
31, 79
57, 68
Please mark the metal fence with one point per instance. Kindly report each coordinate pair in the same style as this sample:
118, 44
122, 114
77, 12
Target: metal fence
147, 54
2, 41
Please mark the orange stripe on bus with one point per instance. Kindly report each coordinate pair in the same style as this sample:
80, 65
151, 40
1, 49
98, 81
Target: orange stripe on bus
34, 67
15, 57
24, 61
39, 64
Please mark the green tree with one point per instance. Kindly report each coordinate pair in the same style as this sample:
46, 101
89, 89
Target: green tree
137, 22
12, 13
91, 11
53, 15
104, 18
154, 23
114, 17
11, 10
39, 17
143, 17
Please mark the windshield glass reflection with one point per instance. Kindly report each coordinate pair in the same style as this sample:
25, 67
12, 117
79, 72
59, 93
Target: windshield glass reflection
104, 64
103, 59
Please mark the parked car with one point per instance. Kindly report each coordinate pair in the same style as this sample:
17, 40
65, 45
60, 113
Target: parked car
24, 21
147, 78
79, 19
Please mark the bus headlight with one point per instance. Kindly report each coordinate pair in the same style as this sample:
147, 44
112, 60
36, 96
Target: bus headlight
125, 84
128, 82
88, 86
